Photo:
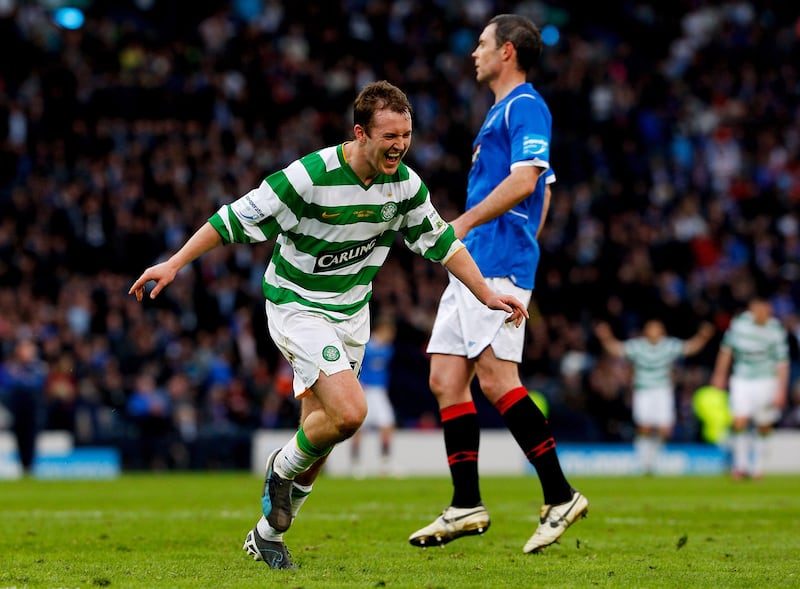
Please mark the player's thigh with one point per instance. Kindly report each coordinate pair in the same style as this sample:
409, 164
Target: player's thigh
340, 396
466, 327
450, 376
496, 375
315, 345
654, 408
744, 399
308, 405
766, 414
447, 335
508, 340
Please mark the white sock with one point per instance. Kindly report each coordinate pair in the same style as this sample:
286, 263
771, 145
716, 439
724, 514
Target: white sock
386, 464
640, 448
646, 447
740, 441
299, 495
655, 451
267, 532
291, 460
759, 454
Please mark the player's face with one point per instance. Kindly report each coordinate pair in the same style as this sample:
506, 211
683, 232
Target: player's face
388, 140
654, 330
487, 55
761, 311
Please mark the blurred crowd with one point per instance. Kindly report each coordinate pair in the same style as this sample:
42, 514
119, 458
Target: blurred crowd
676, 151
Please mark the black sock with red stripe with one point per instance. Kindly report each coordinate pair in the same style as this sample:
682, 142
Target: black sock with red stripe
532, 432
461, 440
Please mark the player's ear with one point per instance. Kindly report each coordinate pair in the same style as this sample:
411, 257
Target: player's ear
360, 133
508, 50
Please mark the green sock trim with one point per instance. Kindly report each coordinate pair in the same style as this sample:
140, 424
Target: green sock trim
308, 448
297, 493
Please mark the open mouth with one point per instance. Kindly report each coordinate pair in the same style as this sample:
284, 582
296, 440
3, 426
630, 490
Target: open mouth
393, 158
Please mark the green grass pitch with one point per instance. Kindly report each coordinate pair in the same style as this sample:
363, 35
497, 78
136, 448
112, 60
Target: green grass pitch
186, 530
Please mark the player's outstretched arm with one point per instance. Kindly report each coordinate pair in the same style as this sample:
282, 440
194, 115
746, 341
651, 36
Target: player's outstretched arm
610, 343
698, 341
204, 239
466, 270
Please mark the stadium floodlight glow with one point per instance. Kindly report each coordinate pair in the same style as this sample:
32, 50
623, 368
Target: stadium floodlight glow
68, 18
550, 35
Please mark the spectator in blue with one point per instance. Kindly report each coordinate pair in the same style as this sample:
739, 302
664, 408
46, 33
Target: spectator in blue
22, 380
150, 410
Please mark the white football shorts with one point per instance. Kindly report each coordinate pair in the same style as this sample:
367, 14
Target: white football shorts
380, 412
754, 399
654, 407
311, 342
466, 327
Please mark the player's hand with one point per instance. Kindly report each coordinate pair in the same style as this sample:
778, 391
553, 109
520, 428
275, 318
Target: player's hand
603, 331
707, 329
162, 273
509, 304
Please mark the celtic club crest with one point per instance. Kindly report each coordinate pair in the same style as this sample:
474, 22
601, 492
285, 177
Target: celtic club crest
330, 353
388, 211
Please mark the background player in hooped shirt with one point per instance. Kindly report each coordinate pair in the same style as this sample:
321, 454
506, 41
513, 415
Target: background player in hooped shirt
755, 352
334, 214
653, 356
506, 204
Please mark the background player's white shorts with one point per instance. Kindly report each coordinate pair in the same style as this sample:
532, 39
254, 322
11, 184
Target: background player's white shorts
754, 399
465, 327
380, 412
654, 407
311, 342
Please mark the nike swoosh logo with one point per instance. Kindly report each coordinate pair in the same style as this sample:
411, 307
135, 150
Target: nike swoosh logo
455, 519
330, 215
562, 517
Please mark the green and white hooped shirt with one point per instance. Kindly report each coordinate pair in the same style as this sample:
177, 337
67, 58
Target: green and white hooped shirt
757, 349
652, 363
333, 232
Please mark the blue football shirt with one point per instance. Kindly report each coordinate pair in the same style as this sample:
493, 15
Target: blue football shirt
375, 368
515, 132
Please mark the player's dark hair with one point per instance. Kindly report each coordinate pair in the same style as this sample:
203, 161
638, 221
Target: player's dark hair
523, 34
377, 96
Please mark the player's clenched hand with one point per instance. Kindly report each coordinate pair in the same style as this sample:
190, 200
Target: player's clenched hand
162, 273
509, 304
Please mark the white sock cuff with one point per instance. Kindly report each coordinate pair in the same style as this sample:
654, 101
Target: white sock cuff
267, 532
305, 489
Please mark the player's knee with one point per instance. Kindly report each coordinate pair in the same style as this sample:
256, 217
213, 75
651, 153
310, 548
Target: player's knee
492, 387
439, 385
447, 394
347, 428
350, 419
